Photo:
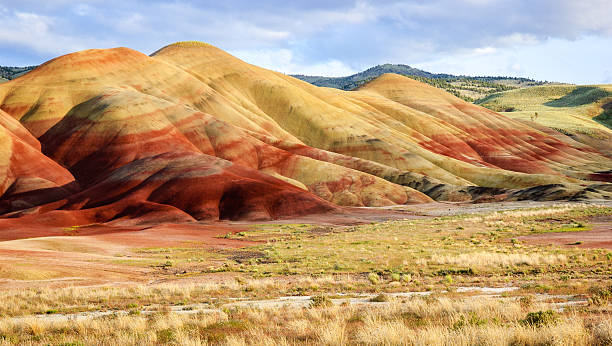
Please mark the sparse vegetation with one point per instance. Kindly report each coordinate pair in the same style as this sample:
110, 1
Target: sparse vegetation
320, 301
540, 318
600, 296
381, 298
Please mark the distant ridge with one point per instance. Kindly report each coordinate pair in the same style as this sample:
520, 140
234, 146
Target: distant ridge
11, 72
353, 81
469, 88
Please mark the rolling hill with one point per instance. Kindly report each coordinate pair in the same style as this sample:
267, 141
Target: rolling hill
192, 133
582, 112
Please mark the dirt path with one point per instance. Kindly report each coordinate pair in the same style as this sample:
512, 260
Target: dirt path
217, 306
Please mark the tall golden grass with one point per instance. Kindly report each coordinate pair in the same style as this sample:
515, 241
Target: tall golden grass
415, 321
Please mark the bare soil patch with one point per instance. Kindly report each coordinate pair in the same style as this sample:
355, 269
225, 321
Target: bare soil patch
600, 236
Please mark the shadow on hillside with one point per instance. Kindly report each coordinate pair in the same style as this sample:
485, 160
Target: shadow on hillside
605, 117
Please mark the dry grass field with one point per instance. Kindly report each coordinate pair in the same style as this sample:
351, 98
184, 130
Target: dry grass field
420, 321
456, 279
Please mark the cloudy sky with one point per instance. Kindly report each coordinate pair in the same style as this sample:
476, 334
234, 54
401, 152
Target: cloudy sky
555, 40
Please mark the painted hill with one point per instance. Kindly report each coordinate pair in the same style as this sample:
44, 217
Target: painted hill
192, 133
582, 112
466, 87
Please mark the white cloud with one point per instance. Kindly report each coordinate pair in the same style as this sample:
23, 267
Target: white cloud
359, 13
331, 68
516, 67
283, 60
132, 23
479, 2
607, 77
33, 23
582, 61
590, 15
37, 32
484, 50
517, 39
82, 9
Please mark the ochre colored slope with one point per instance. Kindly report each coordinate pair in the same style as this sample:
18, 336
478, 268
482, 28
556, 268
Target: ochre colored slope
193, 133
